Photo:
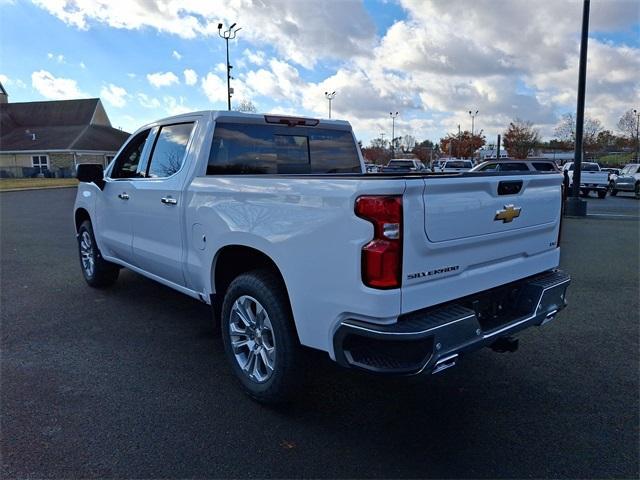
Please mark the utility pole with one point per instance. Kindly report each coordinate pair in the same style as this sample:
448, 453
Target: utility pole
382, 134
330, 96
228, 35
393, 131
473, 118
637, 114
458, 145
498, 148
576, 206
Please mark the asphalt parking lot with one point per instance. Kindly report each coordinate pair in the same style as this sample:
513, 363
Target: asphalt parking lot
131, 382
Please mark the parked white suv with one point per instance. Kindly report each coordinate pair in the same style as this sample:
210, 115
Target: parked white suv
272, 221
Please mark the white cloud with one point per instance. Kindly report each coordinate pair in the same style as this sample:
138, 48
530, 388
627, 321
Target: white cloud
190, 77
175, 106
9, 82
160, 79
116, 96
147, 101
57, 57
301, 31
82, 65
176, 55
257, 57
214, 88
55, 88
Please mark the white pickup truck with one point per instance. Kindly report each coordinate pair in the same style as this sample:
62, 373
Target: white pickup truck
591, 178
272, 221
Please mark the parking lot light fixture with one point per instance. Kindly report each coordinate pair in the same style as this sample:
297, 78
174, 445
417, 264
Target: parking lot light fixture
473, 118
637, 114
330, 96
393, 131
227, 35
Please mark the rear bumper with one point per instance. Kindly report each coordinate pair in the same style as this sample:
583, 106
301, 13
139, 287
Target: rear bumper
593, 186
432, 339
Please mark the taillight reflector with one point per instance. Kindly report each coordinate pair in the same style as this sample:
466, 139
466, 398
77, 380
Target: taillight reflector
382, 256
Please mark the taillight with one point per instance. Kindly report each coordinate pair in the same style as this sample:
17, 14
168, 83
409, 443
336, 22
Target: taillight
563, 197
382, 256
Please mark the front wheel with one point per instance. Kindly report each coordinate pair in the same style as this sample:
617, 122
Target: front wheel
585, 193
637, 189
97, 272
259, 336
602, 193
613, 192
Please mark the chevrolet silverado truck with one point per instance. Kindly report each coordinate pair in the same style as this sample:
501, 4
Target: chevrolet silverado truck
591, 178
273, 222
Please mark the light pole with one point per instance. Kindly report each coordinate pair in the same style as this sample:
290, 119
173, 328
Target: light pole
637, 114
473, 118
228, 35
393, 131
330, 96
575, 206
382, 134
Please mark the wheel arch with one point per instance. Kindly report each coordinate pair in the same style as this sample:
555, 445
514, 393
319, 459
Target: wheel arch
80, 215
233, 260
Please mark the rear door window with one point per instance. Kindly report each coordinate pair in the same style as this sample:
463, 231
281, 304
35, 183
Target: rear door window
169, 150
514, 167
274, 149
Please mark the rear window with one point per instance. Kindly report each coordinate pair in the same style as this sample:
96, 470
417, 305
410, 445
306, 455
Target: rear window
544, 166
590, 167
274, 149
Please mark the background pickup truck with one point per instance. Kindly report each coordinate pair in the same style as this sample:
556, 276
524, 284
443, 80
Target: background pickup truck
272, 221
591, 178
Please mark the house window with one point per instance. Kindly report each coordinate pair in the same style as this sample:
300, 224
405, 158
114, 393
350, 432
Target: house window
40, 162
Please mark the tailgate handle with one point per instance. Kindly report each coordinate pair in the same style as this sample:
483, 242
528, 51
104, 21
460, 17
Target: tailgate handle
509, 187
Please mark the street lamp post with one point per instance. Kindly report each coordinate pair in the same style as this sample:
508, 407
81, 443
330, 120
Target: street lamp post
228, 35
393, 131
575, 206
473, 118
637, 114
330, 97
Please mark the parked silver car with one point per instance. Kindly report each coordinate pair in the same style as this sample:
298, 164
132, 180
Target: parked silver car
628, 180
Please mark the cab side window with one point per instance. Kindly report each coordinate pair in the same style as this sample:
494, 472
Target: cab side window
126, 164
169, 150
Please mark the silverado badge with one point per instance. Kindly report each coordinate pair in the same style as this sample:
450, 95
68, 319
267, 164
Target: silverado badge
508, 214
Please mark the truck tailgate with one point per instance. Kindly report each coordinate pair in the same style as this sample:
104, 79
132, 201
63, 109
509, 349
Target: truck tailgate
475, 232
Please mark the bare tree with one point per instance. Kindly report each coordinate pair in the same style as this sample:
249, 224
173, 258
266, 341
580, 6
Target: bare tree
628, 125
246, 106
566, 131
408, 142
520, 138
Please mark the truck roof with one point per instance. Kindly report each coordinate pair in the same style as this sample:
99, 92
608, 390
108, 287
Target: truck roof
255, 118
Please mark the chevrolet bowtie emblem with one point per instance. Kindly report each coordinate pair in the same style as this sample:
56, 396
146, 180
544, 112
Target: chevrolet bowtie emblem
508, 214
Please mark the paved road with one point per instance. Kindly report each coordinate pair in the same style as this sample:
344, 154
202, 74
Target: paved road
130, 382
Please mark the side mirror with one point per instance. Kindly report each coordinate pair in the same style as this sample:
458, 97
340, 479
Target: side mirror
91, 173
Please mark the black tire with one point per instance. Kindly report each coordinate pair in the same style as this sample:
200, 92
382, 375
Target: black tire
267, 289
101, 274
613, 192
637, 190
602, 193
585, 193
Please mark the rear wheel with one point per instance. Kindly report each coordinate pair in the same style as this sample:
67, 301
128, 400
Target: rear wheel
613, 192
259, 336
602, 193
97, 272
637, 189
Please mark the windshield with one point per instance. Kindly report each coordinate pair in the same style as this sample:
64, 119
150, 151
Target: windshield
458, 164
401, 163
586, 167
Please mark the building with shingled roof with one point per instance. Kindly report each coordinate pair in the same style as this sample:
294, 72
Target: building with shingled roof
50, 138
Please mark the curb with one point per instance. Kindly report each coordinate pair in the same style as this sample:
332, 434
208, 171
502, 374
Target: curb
36, 188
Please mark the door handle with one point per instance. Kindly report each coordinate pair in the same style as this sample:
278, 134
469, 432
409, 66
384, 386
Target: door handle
169, 201
123, 196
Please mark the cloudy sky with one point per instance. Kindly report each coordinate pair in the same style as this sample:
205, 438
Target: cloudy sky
430, 60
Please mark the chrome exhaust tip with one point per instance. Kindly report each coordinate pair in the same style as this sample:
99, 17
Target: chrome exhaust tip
444, 363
